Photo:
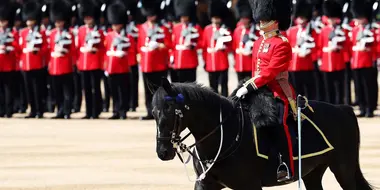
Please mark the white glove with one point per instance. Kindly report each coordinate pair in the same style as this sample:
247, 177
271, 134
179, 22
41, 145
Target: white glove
153, 45
241, 92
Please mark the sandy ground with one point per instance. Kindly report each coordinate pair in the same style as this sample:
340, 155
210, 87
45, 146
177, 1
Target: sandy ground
100, 154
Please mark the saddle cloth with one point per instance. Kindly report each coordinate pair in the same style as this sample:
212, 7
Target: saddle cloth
314, 142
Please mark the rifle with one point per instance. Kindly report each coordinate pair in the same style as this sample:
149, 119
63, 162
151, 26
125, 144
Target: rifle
34, 38
190, 33
5, 39
305, 42
92, 38
119, 43
61, 42
221, 36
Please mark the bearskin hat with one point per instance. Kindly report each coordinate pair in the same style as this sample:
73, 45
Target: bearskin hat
362, 9
89, 8
332, 8
60, 10
243, 10
117, 13
31, 10
185, 8
6, 10
151, 7
303, 8
217, 8
267, 10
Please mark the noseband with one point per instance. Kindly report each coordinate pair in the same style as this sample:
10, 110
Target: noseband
177, 141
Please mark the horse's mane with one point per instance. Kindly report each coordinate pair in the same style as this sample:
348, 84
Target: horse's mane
193, 92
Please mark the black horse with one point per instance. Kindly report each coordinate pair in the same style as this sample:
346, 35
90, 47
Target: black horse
208, 115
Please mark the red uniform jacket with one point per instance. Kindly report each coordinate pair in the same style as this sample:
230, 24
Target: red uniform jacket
186, 57
363, 55
332, 60
116, 59
216, 58
242, 50
299, 63
90, 60
61, 63
153, 58
32, 60
9, 51
271, 59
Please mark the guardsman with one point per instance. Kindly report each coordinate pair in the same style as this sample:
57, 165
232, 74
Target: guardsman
34, 48
153, 44
91, 53
334, 49
132, 29
302, 38
364, 55
118, 45
186, 41
9, 52
62, 57
217, 43
244, 36
272, 54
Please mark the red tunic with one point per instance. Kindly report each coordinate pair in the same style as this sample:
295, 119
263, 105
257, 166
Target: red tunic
61, 63
116, 59
242, 50
332, 60
363, 56
153, 59
90, 60
32, 60
299, 63
184, 56
216, 54
9, 51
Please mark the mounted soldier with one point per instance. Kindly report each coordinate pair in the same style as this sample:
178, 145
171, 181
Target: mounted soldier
272, 55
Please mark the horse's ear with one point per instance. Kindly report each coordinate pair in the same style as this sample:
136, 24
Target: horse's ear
167, 86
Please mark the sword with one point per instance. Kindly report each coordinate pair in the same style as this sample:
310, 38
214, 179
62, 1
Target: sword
300, 106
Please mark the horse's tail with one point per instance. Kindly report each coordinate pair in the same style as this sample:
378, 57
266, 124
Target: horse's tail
361, 182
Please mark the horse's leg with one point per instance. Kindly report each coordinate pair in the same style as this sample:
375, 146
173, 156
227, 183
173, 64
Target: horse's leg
344, 173
313, 180
207, 185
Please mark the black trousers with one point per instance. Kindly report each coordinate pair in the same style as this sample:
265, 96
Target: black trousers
118, 84
152, 82
217, 78
366, 81
319, 83
185, 75
347, 84
78, 93
173, 75
63, 88
334, 86
45, 95
376, 86
304, 83
134, 87
7, 89
34, 84
20, 95
243, 75
92, 93
106, 95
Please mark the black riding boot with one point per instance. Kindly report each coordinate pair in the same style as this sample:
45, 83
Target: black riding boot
284, 172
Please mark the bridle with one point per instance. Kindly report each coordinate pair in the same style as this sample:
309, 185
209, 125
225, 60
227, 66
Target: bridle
180, 147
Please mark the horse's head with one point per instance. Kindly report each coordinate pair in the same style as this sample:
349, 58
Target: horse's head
168, 107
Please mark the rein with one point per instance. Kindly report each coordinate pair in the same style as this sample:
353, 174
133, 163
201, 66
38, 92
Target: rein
181, 147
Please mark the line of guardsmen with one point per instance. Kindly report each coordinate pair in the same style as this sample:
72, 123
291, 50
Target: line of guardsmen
46, 65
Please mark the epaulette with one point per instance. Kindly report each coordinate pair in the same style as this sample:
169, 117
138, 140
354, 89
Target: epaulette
285, 39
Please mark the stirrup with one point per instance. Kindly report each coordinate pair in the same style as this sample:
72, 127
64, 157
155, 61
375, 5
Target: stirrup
280, 178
